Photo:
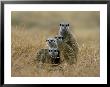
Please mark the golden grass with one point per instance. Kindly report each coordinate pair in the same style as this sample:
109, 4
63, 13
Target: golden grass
26, 43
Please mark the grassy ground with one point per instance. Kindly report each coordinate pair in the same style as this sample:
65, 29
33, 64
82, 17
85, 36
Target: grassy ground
25, 44
31, 29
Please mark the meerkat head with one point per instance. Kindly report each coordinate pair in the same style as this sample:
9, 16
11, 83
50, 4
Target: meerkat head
63, 28
59, 39
51, 42
54, 52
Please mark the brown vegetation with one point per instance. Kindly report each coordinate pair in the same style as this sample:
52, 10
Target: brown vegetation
26, 41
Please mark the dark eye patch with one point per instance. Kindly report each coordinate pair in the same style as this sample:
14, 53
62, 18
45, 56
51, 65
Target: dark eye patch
53, 40
60, 24
50, 50
68, 24
59, 37
55, 50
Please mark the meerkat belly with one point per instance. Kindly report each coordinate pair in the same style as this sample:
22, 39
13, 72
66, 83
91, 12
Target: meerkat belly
67, 53
71, 41
73, 44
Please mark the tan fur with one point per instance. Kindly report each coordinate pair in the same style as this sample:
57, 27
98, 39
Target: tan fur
69, 47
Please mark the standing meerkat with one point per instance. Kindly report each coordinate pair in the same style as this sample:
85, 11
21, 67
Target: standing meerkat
70, 42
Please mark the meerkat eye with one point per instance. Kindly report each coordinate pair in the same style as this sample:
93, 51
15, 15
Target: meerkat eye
68, 24
54, 50
60, 24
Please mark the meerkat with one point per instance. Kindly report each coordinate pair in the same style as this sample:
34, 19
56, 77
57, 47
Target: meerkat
59, 40
66, 52
52, 43
49, 55
69, 41
55, 55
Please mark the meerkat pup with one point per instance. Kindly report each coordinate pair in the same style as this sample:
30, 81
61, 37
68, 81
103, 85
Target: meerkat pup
49, 55
52, 43
55, 55
54, 52
69, 41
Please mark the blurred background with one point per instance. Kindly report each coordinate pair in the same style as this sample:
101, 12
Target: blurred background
49, 20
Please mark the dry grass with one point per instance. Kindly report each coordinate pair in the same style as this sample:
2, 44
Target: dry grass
26, 42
